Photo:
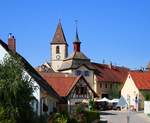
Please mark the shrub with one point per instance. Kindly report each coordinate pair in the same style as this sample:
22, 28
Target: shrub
16, 91
72, 120
91, 104
92, 115
80, 108
60, 118
40, 119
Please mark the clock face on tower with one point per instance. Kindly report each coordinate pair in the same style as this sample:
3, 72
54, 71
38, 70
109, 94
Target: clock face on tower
58, 57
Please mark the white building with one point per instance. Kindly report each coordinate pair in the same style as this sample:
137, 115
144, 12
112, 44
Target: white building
136, 84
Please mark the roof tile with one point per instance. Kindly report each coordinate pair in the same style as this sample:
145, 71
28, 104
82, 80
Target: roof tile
141, 79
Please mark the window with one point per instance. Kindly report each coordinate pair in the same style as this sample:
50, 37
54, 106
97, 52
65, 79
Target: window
81, 90
100, 85
34, 104
78, 72
106, 85
86, 73
44, 105
57, 50
111, 86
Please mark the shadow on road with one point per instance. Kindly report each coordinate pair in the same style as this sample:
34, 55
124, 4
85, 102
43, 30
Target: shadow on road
107, 113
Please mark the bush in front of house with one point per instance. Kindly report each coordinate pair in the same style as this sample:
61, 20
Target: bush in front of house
40, 119
91, 104
146, 95
80, 115
86, 116
63, 117
60, 118
72, 120
92, 115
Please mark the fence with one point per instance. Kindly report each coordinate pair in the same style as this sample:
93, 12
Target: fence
147, 107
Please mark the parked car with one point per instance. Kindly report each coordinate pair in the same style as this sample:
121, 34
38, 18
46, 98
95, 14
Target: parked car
116, 107
101, 105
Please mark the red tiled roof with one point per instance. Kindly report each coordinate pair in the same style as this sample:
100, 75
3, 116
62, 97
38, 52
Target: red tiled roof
63, 83
141, 79
110, 73
60, 83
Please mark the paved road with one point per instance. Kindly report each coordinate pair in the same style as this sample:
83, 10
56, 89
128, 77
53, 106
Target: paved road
121, 117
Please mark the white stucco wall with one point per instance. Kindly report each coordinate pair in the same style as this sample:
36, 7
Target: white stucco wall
36, 92
90, 78
56, 65
67, 71
147, 107
3, 52
130, 90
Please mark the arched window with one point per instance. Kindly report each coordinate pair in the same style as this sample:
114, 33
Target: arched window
57, 50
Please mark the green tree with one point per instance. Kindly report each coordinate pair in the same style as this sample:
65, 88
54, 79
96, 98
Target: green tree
115, 91
16, 90
146, 95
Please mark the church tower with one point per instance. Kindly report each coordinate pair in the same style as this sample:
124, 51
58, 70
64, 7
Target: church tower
59, 48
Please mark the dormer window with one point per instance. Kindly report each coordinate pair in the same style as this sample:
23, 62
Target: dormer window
86, 73
57, 49
78, 72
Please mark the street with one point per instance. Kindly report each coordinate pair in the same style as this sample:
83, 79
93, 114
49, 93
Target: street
122, 116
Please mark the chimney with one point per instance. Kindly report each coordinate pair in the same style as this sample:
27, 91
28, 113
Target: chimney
11, 42
76, 46
110, 65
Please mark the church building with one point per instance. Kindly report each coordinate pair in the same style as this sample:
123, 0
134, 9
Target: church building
100, 77
70, 76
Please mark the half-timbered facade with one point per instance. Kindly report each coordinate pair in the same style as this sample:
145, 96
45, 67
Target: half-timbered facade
72, 89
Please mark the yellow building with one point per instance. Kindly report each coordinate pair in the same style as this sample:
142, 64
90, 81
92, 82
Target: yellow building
136, 88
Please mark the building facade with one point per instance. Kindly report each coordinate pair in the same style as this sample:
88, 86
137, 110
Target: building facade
101, 77
136, 88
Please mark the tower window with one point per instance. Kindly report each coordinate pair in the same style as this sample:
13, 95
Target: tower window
57, 50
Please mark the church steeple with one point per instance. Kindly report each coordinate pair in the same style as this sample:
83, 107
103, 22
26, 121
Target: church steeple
77, 42
59, 48
59, 37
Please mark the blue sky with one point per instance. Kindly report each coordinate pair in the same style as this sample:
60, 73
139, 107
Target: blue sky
114, 30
